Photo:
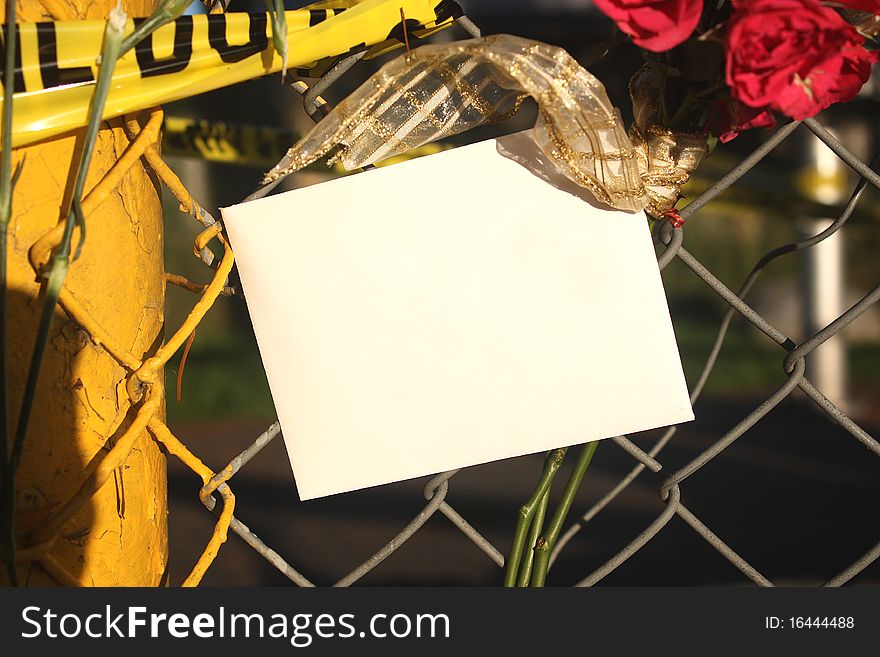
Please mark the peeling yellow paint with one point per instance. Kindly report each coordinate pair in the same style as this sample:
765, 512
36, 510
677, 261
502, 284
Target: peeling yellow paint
80, 409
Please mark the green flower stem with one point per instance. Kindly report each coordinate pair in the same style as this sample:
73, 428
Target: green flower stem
544, 545
166, 12
7, 184
683, 119
598, 52
527, 513
711, 89
279, 31
6, 187
682, 114
58, 270
537, 527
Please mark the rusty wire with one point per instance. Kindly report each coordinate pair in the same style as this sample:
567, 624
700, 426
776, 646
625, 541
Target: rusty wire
142, 375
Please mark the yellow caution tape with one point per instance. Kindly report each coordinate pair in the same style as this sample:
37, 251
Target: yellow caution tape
216, 141
247, 145
56, 61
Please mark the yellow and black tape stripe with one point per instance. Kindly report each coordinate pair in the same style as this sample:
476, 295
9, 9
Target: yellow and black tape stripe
231, 143
246, 145
56, 61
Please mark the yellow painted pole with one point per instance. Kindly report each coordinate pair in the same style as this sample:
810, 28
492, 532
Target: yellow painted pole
119, 536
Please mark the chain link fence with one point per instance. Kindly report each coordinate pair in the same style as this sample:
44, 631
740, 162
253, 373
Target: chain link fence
217, 496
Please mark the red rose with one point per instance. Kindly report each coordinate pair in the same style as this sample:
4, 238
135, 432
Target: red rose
795, 56
656, 25
732, 117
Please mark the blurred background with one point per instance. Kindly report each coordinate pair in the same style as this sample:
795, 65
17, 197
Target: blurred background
796, 496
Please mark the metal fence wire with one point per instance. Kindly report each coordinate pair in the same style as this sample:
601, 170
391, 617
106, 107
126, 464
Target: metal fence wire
216, 493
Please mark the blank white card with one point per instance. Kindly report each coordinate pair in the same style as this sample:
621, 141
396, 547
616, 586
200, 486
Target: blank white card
452, 310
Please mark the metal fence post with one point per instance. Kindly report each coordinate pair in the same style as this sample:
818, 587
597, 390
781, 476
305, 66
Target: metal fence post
119, 536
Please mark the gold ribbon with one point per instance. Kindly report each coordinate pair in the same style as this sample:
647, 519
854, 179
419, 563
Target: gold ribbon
667, 158
441, 90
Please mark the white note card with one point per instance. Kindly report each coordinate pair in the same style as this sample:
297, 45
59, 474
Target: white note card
453, 310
